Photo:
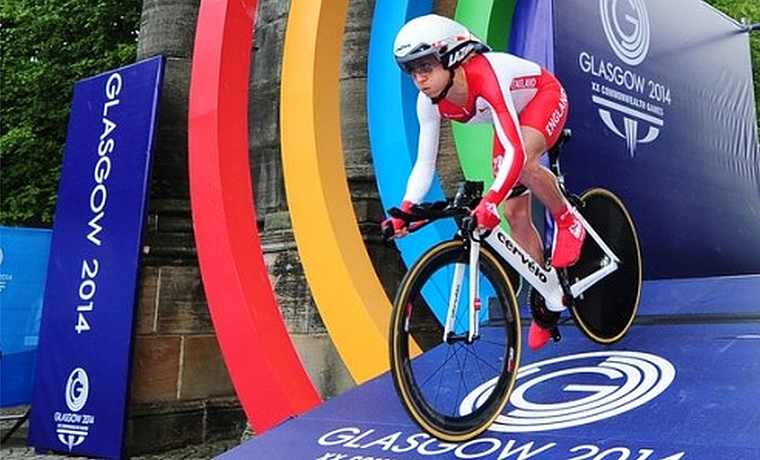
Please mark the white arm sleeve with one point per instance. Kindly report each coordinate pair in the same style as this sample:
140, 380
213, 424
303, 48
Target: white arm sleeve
423, 171
511, 164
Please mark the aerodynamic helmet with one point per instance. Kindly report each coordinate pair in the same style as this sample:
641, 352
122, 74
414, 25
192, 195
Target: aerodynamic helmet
438, 36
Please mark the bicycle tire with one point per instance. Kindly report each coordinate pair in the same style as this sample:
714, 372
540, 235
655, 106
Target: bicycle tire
606, 311
436, 378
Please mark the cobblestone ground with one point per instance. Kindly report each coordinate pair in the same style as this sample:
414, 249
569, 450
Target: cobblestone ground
14, 448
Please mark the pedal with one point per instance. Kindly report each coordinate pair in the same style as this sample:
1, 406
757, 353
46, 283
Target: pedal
556, 336
544, 317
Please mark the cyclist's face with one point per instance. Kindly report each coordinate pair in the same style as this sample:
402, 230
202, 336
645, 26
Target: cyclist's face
429, 75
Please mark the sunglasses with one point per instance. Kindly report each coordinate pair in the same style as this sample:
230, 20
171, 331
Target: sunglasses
422, 67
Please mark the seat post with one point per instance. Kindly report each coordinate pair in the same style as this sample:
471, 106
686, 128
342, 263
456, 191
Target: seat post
554, 165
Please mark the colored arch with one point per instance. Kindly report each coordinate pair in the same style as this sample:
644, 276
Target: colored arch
268, 376
490, 20
345, 287
392, 121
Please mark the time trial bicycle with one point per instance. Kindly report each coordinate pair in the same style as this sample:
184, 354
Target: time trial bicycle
455, 328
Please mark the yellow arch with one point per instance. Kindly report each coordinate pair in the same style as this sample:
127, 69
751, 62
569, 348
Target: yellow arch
348, 294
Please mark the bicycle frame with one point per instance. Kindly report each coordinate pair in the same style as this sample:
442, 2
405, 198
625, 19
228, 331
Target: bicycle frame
545, 281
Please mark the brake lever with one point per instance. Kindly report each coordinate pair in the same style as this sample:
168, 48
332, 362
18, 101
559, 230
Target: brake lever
387, 231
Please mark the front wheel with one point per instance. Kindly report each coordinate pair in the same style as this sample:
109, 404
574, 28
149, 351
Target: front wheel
606, 311
451, 387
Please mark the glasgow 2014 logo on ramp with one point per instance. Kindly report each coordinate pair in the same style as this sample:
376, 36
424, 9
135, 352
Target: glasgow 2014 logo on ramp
583, 388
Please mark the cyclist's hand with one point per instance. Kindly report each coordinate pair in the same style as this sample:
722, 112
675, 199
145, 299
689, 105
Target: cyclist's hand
394, 227
487, 213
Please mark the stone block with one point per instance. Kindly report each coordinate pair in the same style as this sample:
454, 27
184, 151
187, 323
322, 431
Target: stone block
323, 364
354, 60
182, 307
292, 292
204, 374
155, 368
266, 172
156, 428
353, 120
268, 44
445, 7
264, 127
147, 301
271, 10
169, 26
170, 179
225, 420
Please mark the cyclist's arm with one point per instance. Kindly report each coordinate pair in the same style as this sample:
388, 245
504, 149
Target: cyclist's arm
506, 128
423, 171
506, 124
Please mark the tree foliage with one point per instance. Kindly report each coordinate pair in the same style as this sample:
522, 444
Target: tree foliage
746, 11
46, 46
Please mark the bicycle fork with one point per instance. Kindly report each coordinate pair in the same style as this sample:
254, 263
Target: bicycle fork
474, 304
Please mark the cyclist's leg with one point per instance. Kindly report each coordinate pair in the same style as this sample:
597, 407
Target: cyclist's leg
538, 135
542, 121
535, 176
518, 212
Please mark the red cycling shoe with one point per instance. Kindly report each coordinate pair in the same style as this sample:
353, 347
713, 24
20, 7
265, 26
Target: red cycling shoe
568, 239
538, 336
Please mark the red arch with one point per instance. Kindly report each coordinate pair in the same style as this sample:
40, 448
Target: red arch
268, 376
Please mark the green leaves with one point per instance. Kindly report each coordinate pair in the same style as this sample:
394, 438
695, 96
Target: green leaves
46, 46
746, 10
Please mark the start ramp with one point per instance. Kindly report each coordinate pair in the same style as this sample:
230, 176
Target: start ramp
683, 384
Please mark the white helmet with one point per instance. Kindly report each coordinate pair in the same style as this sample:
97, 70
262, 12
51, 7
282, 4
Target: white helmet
445, 39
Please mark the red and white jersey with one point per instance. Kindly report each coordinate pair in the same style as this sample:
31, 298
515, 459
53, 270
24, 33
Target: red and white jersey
500, 86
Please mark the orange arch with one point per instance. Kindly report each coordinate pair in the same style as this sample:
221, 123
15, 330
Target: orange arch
348, 293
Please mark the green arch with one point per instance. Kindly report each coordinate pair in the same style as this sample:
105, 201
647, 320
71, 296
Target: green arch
491, 20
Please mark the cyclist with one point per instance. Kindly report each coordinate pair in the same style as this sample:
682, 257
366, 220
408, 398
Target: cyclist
459, 78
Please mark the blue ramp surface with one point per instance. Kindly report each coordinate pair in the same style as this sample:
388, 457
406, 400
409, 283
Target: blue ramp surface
683, 384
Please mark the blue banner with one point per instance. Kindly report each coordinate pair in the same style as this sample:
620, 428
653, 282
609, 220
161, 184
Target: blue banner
80, 390
532, 34
23, 266
663, 114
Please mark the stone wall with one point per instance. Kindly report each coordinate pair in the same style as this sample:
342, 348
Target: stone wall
181, 393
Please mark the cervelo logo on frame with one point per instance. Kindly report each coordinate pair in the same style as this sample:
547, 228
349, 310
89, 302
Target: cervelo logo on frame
620, 92
589, 387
